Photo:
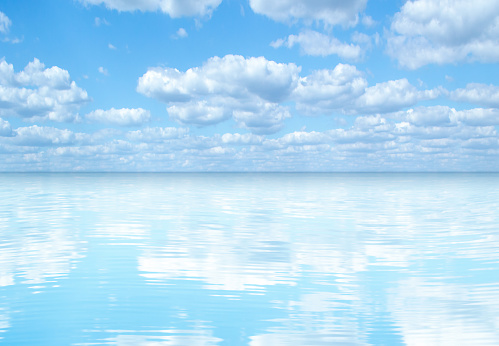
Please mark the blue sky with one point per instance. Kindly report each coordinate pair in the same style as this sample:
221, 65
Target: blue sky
249, 85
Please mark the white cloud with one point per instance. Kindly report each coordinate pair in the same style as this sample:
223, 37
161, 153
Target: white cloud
423, 138
120, 117
265, 118
198, 113
304, 138
174, 8
445, 31
318, 44
241, 139
368, 21
430, 116
391, 96
478, 117
327, 90
43, 136
111, 46
249, 90
181, 33
329, 12
5, 23
101, 21
479, 94
345, 90
444, 116
256, 92
5, 129
156, 134
103, 71
39, 93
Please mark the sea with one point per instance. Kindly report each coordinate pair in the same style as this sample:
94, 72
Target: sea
249, 259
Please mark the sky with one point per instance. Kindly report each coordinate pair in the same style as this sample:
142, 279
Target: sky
249, 85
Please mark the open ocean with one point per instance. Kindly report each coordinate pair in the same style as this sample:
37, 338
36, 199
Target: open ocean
249, 259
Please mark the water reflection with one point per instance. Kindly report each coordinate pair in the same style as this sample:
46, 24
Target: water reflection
4, 322
159, 337
40, 240
250, 258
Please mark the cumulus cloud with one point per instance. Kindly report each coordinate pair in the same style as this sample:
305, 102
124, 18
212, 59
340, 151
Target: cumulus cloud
198, 113
5, 23
445, 31
39, 93
344, 90
392, 95
120, 117
174, 8
265, 118
231, 75
479, 94
329, 12
329, 90
257, 93
431, 116
317, 44
478, 117
248, 90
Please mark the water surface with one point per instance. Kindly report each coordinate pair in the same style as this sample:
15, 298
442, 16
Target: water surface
249, 259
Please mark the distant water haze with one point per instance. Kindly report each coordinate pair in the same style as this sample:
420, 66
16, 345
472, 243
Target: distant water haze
249, 259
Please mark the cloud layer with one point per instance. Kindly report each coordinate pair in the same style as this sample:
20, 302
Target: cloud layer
421, 138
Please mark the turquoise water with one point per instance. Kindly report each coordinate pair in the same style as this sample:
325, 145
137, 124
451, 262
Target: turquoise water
249, 259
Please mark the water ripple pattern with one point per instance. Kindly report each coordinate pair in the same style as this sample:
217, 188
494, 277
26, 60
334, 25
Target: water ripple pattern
249, 259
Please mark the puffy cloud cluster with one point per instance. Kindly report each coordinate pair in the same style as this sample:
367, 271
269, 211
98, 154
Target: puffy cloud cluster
392, 95
254, 92
249, 90
329, 12
39, 93
120, 117
174, 8
445, 31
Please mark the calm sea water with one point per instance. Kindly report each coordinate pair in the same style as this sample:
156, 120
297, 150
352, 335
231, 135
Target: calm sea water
249, 259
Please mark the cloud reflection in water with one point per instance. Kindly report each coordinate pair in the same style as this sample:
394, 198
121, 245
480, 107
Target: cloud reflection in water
254, 258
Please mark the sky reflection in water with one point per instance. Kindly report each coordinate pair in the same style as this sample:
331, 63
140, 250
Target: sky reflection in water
258, 259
